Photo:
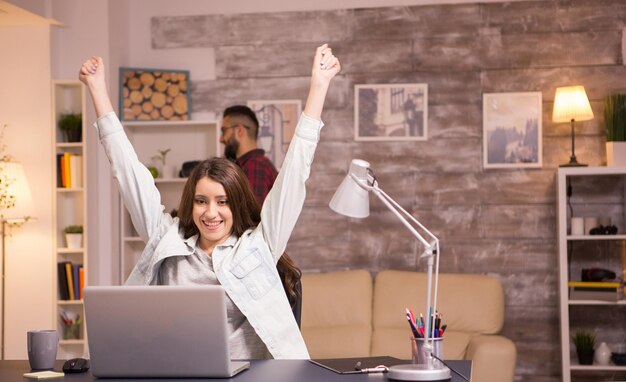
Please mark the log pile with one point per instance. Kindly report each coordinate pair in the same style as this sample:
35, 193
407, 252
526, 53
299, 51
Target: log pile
155, 95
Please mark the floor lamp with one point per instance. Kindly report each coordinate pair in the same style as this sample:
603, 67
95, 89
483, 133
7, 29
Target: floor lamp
16, 208
571, 104
352, 199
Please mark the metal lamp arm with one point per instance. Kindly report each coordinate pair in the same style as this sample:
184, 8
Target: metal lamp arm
432, 371
408, 215
387, 201
431, 253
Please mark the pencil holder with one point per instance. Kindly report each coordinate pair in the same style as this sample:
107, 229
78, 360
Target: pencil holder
71, 331
419, 353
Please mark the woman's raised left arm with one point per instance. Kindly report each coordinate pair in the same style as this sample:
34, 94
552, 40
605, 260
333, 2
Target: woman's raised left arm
284, 202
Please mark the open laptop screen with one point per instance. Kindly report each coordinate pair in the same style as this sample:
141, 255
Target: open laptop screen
158, 331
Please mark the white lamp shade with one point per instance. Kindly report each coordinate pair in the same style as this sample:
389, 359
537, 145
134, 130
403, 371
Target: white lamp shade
351, 199
17, 189
571, 102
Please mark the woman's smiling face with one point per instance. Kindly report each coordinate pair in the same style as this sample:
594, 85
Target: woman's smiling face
211, 214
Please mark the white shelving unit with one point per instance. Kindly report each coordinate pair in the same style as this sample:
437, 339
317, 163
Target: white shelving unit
596, 192
188, 141
70, 208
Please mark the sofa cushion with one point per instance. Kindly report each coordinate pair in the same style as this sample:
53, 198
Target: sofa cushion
394, 291
337, 314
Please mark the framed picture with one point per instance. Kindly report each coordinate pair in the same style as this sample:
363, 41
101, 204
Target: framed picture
277, 124
391, 112
154, 94
512, 130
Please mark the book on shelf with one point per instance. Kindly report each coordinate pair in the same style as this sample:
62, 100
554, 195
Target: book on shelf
592, 290
69, 170
76, 170
595, 284
71, 280
67, 182
75, 278
81, 281
60, 170
63, 292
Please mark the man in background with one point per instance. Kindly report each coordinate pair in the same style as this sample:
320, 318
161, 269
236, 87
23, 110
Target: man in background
240, 130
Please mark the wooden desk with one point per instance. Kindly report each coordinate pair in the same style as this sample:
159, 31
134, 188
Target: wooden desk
260, 371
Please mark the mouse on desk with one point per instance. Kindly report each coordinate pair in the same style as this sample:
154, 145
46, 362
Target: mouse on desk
76, 365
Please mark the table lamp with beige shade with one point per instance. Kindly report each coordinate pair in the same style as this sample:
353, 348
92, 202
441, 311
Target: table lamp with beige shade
571, 104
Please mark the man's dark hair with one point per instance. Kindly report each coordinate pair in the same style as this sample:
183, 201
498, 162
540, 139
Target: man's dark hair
244, 115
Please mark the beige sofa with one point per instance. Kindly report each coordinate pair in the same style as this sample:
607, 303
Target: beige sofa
345, 314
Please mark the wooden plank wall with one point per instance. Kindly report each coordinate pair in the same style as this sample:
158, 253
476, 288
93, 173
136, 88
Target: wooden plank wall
501, 222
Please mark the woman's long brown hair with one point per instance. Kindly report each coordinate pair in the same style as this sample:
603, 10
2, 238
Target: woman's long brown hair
244, 207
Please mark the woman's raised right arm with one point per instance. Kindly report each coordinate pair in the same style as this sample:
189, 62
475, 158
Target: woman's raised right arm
139, 193
92, 75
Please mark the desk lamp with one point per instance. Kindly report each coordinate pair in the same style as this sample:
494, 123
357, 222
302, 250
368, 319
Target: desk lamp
571, 104
352, 199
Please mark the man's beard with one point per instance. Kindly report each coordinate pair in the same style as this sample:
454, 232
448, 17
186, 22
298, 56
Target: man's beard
230, 149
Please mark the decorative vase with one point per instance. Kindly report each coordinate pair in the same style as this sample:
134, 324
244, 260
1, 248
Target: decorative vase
585, 356
603, 354
74, 240
615, 154
168, 171
74, 135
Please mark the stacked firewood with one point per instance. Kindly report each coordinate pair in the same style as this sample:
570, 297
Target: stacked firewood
155, 95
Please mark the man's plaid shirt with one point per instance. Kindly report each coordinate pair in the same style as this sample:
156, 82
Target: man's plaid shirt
260, 172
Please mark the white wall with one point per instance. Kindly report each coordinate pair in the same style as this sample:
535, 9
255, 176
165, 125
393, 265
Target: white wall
90, 31
25, 105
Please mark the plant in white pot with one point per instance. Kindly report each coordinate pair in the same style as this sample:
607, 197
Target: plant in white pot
167, 170
73, 236
615, 125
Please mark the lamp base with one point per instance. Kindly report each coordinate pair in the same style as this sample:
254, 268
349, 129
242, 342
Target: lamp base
419, 372
573, 164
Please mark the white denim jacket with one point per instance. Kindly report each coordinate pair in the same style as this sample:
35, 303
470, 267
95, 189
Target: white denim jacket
245, 266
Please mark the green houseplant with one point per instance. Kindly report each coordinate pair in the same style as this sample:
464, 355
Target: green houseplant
162, 156
585, 343
71, 124
73, 236
615, 126
166, 171
73, 229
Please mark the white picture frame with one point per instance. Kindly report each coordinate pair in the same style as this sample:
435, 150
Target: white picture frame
512, 130
391, 112
277, 124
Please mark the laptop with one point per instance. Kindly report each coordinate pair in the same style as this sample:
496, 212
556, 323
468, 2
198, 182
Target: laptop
158, 331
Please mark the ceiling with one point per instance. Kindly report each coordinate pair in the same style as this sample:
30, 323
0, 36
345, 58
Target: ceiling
11, 15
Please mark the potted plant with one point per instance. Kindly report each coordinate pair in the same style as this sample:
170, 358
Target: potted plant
73, 236
584, 342
615, 126
167, 171
71, 124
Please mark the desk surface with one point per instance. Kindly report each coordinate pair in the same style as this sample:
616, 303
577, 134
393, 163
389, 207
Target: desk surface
260, 371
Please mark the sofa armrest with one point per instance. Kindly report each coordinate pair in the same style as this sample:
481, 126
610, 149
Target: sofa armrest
493, 358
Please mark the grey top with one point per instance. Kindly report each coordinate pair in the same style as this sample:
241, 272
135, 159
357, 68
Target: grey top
197, 269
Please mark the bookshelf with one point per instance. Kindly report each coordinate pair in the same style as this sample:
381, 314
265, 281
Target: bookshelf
595, 192
187, 141
70, 209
